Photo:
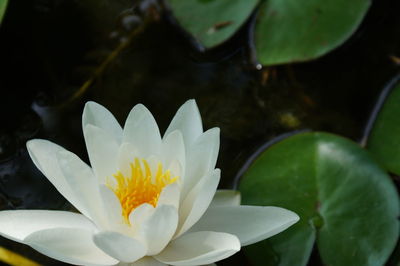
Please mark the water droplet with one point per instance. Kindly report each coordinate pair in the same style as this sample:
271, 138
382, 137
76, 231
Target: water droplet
114, 34
129, 22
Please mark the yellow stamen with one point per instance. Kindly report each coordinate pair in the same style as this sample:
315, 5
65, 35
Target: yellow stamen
140, 187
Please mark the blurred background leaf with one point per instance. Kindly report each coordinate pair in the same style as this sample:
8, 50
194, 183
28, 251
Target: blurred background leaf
285, 30
3, 6
345, 201
384, 139
211, 22
292, 31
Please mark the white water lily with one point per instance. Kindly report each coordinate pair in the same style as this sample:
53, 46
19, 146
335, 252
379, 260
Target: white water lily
146, 200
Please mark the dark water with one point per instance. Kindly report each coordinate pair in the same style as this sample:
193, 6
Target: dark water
50, 48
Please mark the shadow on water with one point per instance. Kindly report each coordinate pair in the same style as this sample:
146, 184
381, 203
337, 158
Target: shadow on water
52, 47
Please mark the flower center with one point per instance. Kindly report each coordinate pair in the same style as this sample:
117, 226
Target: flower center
140, 187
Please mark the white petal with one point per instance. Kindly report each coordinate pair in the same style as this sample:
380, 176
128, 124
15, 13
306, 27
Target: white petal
119, 246
199, 248
83, 183
225, 197
18, 224
44, 155
142, 131
140, 214
69, 245
155, 226
249, 223
188, 121
103, 152
197, 201
113, 209
176, 170
170, 195
145, 261
173, 148
153, 162
201, 158
159, 228
126, 155
97, 115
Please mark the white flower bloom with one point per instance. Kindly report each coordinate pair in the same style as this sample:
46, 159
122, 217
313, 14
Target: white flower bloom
146, 200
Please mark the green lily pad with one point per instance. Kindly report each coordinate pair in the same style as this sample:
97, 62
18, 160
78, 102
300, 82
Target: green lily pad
211, 22
291, 30
3, 6
346, 202
384, 139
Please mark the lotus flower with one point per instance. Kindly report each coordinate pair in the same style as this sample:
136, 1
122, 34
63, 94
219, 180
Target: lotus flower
146, 200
